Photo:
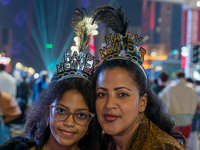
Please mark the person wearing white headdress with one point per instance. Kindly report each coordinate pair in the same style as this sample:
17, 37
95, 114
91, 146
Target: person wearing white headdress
41, 83
7, 82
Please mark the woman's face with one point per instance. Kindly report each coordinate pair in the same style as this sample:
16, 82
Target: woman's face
118, 102
68, 133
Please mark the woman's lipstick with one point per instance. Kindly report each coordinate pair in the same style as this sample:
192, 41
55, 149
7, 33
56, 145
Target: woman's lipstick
110, 117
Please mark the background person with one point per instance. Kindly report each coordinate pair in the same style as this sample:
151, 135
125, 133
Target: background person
193, 140
7, 82
162, 80
41, 83
181, 101
10, 110
23, 93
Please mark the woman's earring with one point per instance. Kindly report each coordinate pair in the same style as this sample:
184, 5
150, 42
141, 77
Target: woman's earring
142, 102
47, 124
143, 118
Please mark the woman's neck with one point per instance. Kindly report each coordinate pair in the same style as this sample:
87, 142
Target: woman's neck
121, 141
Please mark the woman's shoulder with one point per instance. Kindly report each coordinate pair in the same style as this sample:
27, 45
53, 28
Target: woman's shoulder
158, 137
152, 137
17, 143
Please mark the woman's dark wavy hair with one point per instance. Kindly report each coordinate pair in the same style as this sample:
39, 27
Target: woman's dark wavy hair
155, 109
37, 116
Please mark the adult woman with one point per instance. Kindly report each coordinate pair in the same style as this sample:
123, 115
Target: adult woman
122, 98
131, 115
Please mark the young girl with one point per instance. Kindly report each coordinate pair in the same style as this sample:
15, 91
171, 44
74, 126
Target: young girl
63, 117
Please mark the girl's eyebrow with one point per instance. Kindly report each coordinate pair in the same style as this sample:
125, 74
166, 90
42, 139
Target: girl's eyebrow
69, 109
62, 105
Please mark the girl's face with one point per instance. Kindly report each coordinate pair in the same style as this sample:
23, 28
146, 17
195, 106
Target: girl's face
67, 133
118, 103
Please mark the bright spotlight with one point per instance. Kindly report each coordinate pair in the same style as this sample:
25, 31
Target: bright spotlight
25, 68
19, 66
74, 48
196, 75
95, 32
31, 70
3, 60
77, 40
198, 3
184, 51
158, 68
8, 60
36, 75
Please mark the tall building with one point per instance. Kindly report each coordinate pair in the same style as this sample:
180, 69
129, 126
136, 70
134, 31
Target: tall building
161, 30
191, 37
6, 45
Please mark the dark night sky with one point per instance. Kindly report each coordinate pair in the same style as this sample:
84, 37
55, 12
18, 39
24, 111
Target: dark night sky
15, 14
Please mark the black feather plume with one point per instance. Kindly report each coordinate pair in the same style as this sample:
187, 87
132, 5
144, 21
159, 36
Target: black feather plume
112, 17
78, 16
84, 28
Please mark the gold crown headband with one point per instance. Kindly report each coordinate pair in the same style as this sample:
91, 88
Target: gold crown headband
122, 45
116, 48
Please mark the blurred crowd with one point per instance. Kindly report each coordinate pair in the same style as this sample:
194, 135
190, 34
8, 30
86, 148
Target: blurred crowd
17, 92
181, 97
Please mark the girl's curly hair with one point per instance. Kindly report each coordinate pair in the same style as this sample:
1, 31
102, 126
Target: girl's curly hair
37, 116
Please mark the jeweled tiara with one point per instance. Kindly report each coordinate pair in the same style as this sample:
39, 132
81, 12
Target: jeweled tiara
77, 63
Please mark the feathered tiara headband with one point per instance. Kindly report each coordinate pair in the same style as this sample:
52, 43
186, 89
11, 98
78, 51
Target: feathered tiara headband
77, 63
121, 45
